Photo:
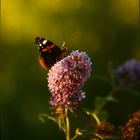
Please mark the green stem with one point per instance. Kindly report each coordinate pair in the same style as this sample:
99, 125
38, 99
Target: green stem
73, 138
111, 93
96, 119
100, 137
61, 124
67, 125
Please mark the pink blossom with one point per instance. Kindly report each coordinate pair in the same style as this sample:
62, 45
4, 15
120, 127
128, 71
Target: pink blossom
66, 78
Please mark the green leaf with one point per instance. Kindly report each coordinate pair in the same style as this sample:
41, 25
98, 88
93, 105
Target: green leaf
87, 111
91, 133
99, 101
61, 124
112, 99
43, 116
103, 115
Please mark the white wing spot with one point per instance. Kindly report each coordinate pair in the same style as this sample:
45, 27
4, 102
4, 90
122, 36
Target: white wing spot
44, 42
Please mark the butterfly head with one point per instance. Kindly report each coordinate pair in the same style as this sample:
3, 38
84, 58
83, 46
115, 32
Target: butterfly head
41, 43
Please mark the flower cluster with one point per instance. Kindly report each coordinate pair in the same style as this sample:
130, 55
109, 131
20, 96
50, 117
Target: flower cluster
131, 130
66, 78
129, 72
105, 129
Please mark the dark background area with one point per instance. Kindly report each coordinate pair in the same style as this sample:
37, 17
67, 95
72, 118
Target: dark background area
108, 30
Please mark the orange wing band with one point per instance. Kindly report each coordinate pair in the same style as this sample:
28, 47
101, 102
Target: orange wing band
42, 63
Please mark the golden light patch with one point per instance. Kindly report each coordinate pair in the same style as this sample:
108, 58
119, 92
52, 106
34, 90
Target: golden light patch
126, 11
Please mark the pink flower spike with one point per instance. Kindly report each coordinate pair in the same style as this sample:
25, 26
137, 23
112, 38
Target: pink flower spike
66, 78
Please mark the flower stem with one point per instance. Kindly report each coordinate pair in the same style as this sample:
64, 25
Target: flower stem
111, 94
96, 118
67, 125
99, 136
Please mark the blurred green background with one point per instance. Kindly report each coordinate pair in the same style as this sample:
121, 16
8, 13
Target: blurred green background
108, 30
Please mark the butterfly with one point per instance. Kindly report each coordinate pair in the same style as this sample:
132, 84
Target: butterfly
49, 53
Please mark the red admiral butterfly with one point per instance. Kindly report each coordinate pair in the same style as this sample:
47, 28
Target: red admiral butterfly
50, 53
